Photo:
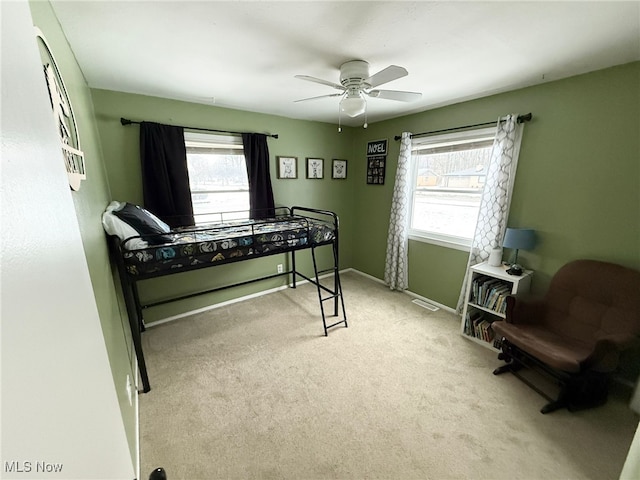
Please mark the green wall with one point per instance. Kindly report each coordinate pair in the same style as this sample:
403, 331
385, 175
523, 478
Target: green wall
296, 138
577, 184
89, 202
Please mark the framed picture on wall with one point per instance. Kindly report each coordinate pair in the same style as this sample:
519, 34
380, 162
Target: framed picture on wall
339, 169
376, 169
287, 167
315, 167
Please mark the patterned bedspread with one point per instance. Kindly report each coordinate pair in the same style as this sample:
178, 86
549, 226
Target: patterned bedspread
222, 243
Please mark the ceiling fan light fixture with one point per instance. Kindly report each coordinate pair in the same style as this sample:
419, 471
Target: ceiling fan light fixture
356, 84
353, 105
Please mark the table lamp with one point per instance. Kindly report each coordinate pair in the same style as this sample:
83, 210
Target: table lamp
518, 239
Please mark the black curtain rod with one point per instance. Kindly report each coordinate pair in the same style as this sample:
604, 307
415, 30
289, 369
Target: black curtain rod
126, 121
521, 119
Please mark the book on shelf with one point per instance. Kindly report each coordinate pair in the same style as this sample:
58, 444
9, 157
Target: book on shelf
484, 331
479, 290
501, 306
477, 325
490, 292
497, 292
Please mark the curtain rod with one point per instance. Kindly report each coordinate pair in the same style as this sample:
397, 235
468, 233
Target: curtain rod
126, 121
521, 119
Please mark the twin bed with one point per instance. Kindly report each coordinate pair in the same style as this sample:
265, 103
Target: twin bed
145, 247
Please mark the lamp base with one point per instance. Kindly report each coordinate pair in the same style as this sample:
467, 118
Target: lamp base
515, 270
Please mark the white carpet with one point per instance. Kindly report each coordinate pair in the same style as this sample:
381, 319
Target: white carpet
254, 390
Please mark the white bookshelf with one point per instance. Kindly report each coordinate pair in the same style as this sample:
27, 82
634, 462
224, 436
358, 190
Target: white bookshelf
485, 297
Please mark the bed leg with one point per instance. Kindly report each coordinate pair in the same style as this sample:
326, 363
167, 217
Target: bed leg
135, 322
338, 289
136, 301
134, 314
293, 268
338, 286
336, 280
315, 269
336, 275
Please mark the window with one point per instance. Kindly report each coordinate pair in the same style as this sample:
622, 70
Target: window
217, 177
449, 173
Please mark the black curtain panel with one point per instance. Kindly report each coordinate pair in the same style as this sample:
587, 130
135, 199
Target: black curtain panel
165, 178
256, 153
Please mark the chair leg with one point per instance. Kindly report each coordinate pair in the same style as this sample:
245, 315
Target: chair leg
587, 390
580, 392
553, 406
508, 367
158, 474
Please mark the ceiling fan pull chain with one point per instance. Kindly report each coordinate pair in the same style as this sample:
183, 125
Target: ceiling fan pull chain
339, 119
365, 116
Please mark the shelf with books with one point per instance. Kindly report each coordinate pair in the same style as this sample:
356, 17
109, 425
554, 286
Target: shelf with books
486, 295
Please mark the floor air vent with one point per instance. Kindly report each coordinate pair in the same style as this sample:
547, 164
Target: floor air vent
427, 305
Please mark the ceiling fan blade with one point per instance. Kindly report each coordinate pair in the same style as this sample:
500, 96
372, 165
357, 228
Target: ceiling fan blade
392, 72
321, 96
395, 95
319, 80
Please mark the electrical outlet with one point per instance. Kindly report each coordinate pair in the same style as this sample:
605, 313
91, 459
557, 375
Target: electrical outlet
279, 268
129, 390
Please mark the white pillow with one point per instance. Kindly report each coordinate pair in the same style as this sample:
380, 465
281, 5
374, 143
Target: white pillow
115, 226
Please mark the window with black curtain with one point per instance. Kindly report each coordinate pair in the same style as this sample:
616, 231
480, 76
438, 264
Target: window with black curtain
217, 177
165, 179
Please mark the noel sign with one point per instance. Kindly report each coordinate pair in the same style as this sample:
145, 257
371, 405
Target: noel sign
376, 162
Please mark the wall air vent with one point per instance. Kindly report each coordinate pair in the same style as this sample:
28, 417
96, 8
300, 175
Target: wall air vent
427, 305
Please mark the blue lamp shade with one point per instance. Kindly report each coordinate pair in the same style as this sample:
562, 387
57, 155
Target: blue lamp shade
520, 238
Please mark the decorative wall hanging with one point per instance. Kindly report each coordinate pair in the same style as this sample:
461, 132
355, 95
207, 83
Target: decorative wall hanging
376, 161
339, 169
63, 116
315, 167
287, 167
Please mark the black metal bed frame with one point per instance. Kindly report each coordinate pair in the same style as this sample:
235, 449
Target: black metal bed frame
135, 307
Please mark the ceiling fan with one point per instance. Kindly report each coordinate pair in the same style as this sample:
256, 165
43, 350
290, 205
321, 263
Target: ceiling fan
356, 83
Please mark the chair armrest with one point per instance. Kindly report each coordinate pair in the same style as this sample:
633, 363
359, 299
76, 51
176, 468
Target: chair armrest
525, 308
620, 341
606, 351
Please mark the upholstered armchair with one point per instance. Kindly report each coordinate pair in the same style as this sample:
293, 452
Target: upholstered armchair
575, 332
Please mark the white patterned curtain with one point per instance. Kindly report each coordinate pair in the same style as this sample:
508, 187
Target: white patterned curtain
396, 273
496, 197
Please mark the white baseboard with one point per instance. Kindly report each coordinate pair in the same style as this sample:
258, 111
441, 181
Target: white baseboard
136, 376
277, 289
370, 277
230, 302
428, 300
407, 292
216, 305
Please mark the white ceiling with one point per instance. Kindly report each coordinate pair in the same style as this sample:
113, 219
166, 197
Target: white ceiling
244, 55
